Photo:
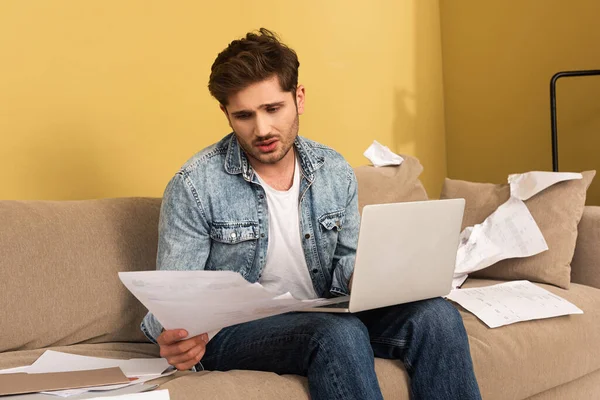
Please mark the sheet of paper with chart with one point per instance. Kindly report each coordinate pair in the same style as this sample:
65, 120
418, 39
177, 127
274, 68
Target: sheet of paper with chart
511, 302
204, 301
509, 232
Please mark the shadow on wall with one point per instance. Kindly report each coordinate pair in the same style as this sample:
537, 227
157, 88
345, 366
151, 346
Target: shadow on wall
418, 122
404, 125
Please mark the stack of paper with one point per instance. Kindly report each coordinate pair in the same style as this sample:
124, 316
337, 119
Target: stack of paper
77, 372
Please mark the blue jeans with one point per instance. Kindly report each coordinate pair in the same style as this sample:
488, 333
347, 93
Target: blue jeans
336, 351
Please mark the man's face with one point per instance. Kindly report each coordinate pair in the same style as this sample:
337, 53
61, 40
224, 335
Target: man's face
265, 120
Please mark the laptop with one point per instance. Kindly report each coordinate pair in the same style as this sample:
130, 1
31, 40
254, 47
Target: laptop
406, 252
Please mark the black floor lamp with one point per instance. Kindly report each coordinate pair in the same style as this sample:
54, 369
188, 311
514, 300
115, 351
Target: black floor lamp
557, 76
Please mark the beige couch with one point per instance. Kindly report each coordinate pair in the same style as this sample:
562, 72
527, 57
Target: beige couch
59, 289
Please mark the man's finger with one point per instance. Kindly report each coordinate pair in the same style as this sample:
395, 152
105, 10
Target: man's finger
178, 348
171, 336
188, 365
188, 356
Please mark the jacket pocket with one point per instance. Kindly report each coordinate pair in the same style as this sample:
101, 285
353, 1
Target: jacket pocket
333, 220
233, 246
234, 232
331, 224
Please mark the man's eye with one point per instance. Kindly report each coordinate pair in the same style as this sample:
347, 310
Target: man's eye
272, 109
242, 116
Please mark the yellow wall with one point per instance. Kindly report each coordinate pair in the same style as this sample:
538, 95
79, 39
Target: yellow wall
498, 58
106, 98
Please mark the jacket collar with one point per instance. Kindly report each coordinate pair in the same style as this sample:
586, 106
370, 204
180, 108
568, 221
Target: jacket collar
236, 161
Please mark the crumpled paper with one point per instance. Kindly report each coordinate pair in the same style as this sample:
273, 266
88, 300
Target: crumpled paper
381, 156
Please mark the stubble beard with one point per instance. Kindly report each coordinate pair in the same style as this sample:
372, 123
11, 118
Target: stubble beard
285, 145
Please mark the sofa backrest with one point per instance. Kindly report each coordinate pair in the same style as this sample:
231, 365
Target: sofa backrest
380, 185
59, 260
58, 270
585, 267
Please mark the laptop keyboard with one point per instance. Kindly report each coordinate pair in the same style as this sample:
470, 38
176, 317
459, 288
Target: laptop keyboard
344, 304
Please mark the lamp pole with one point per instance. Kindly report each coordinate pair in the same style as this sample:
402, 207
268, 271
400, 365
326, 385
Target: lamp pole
555, 78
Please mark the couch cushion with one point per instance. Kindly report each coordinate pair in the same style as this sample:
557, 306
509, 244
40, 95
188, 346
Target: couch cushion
58, 270
247, 385
585, 267
513, 361
586, 387
392, 184
557, 211
519, 360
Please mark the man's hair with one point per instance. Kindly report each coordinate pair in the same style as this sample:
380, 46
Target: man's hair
250, 60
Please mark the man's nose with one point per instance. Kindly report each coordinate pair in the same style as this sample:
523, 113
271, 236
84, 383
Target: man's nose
263, 127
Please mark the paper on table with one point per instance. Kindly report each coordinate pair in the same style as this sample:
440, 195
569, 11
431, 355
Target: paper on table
75, 392
204, 301
55, 361
510, 302
152, 395
524, 186
509, 232
381, 155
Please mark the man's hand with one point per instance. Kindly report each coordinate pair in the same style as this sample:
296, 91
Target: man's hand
182, 354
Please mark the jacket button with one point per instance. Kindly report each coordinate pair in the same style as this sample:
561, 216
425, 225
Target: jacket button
262, 235
307, 236
315, 271
260, 196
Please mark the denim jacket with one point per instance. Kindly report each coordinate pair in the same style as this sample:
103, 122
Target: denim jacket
214, 216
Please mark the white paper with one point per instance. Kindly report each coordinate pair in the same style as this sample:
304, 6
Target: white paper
509, 232
204, 301
524, 186
14, 370
381, 155
151, 395
55, 361
75, 392
510, 302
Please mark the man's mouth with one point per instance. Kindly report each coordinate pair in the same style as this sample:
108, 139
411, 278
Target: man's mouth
267, 145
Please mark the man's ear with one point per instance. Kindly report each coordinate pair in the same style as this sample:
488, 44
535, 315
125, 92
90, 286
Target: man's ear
300, 97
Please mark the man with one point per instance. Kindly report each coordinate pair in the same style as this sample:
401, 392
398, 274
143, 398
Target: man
282, 210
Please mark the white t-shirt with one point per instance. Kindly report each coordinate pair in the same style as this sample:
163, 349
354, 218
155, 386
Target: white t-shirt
286, 269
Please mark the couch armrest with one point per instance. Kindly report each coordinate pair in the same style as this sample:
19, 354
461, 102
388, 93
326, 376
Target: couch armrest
585, 267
